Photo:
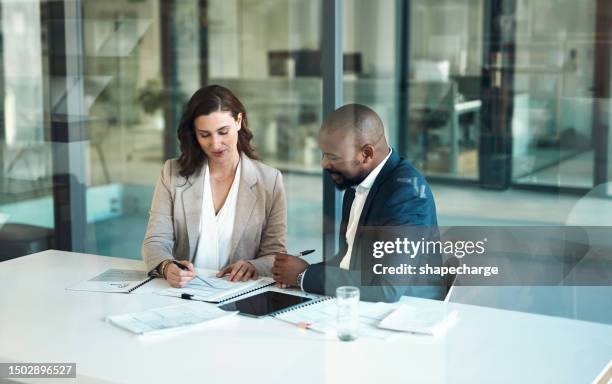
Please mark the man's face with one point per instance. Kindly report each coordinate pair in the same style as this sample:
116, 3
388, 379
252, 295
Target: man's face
341, 159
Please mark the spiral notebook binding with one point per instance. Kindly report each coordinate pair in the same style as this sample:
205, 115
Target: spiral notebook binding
245, 292
300, 306
141, 284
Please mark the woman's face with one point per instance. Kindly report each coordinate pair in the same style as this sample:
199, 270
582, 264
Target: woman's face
217, 134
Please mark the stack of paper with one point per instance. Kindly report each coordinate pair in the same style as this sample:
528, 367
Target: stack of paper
428, 321
155, 321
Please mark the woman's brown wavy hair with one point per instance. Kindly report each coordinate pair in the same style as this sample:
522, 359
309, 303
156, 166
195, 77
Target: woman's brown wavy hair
213, 98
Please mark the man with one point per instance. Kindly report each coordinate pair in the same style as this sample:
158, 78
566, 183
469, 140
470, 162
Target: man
381, 190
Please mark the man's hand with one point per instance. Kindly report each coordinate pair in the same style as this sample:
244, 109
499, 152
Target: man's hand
241, 270
286, 268
177, 277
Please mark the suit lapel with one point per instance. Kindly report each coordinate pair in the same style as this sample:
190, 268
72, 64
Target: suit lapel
192, 207
245, 204
385, 172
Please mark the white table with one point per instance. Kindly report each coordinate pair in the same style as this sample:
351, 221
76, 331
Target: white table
40, 321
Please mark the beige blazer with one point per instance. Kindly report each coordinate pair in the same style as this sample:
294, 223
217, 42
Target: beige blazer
259, 227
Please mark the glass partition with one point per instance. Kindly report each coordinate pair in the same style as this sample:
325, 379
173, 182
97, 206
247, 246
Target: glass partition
553, 102
139, 63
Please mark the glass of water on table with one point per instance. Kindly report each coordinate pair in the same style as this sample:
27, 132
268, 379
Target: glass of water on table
347, 300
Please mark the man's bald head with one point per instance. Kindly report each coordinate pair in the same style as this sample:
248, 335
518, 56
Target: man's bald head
352, 141
358, 121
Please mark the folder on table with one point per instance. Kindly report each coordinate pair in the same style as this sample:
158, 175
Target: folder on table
114, 280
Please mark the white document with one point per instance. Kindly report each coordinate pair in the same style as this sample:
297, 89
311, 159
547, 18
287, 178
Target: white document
113, 280
214, 289
432, 321
158, 320
321, 317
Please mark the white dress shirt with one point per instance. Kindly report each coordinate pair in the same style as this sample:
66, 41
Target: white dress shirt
361, 194
216, 230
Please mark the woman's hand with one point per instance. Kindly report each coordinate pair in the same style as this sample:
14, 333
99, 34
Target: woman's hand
177, 277
239, 271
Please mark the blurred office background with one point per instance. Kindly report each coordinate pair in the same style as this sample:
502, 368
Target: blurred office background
503, 104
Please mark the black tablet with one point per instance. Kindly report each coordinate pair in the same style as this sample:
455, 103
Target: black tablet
265, 303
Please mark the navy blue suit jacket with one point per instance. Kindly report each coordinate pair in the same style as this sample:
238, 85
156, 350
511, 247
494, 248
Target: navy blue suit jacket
399, 196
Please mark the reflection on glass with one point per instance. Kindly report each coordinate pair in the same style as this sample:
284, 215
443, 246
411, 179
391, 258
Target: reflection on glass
227, 43
268, 54
141, 59
26, 208
553, 102
444, 101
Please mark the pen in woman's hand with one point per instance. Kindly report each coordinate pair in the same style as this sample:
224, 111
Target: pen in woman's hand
186, 268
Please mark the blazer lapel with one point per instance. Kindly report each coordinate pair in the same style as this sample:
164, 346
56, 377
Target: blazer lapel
382, 176
386, 170
192, 207
246, 202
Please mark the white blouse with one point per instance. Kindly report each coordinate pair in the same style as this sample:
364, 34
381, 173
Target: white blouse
216, 230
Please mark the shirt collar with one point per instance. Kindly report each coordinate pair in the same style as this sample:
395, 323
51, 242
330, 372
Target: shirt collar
366, 184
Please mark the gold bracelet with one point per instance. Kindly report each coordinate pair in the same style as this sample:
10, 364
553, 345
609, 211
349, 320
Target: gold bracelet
164, 267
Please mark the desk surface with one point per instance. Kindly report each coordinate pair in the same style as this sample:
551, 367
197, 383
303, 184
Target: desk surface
42, 322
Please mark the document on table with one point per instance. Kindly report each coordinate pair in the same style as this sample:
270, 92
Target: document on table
432, 321
158, 320
113, 280
215, 290
321, 317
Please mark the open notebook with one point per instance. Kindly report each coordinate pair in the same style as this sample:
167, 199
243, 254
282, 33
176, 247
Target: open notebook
206, 287
213, 289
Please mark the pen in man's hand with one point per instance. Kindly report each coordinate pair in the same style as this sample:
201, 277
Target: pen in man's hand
306, 252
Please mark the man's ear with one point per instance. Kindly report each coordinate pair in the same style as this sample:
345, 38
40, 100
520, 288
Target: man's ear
368, 153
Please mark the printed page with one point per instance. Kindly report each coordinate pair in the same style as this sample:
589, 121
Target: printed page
155, 321
430, 321
112, 280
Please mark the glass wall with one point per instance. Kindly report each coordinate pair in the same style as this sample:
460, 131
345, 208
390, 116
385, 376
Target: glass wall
25, 151
139, 61
369, 59
475, 93
268, 53
443, 87
553, 102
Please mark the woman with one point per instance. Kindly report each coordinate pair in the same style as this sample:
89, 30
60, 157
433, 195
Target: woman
215, 206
